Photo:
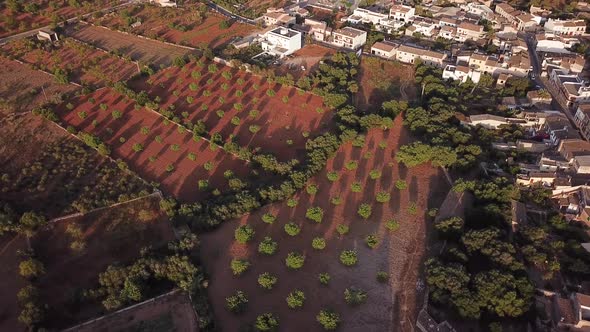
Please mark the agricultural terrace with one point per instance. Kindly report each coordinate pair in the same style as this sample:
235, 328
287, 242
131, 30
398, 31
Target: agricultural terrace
250, 8
21, 16
381, 80
170, 312
10, 280
360, 226
63, 177
74, 251
23, 88
186, 166
144, 50
262, 115
70, 60
193, 24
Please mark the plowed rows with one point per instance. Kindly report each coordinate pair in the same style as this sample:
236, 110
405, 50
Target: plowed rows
121, 135
283, 119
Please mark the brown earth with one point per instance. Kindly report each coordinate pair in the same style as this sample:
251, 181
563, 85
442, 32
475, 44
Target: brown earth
282, 122
23, 88
87, 65
10, 281
144, 50
110, 235
123, 133
392, 306
381, 80
309, 57
169, 312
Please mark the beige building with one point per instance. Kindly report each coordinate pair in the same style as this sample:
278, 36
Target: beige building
410, 54
566, 27
278, 18
466, 31
350, 38
384, 50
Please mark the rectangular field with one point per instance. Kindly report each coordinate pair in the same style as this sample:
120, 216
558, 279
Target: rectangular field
75, 250
193, 25
363, 174
139, 49
23, 88
261, 114
160, 151
85, 65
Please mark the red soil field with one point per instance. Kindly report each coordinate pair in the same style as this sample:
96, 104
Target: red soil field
123, 133
381, 80
26, 21
202, 25
391, 306
87, 65
170, 312
139, 49
110, 235
309, 57
23, 88
10, 281
278, 121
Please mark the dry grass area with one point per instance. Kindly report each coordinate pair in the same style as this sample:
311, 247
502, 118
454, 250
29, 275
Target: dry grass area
382, 80
399, 225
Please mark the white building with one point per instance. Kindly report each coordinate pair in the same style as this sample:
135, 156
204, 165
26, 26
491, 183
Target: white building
48, 35
571, 87
461, 73
384, 50
350, 38
410, 54
479, 10
281, 41
165, 3
361, 15
402, 13
318, 30
566, 27
469, 31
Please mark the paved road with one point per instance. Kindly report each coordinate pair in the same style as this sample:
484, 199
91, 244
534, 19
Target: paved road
68, 21
229, 14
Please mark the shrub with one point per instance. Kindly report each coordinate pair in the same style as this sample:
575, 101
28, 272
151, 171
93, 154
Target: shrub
383, 197
333, 176
342, 229
152, 159
412, 208
169, 168
382, 276
116, 114
355, 296
295, 260
315, 213
239, 93
351, 165
401, 184
203, 185
295, 299
318, 243
174, 147
159, 139
208, 165
253, 114
328, 319
292, 229
267, 280
82, 115
392, 225
375, 174
254, 129
267, 322
336, 200
244, 233
193, 86
235, 121
220, 113
270, 92
324, 278
236, 303
368, 155
312, 189
239, 266
189, 99
196, 74
356, 187
348, 257
292, 202
145, 130
137, 147
267, 246
269, 218
31, 268
192, 156
383, 145
371, 241
285, 99
364, 210
103, 107
238, 107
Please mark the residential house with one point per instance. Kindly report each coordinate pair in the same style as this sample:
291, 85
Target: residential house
506, 11
461, 73
317, 30
525, 22
582, 309
558, 128
556, 44
581, 164
280, 18
361, 15
502, 78
410, 54
165, 3
571, 87
520, 20
424, 26
350, 38
469, 31
516, 65
384, 50
281, 41
531, 146
565, 27
447, 32
402, 13
582, 120
480, 10
570, 64
539, 98
48, 35
448, 22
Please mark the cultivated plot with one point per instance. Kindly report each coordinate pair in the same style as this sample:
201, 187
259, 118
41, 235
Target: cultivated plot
365, 210
260, 114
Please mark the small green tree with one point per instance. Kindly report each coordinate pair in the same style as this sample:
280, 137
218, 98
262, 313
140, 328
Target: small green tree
116, 114
315, 213
295, 299
267, 280
237, 302
31, 268
137, 147
239, 266
375, 174
318, 243
371, 241
351, 165
292, 202
383, 197
348, 257
356, 187
267, 322
342, 229
312, 189
324, 278
333, 176
382, 276
295, 260
392, 225
269, 218
244, 233
354, 296
401, 184
328, 319
364, 210
268, 246
292, 229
